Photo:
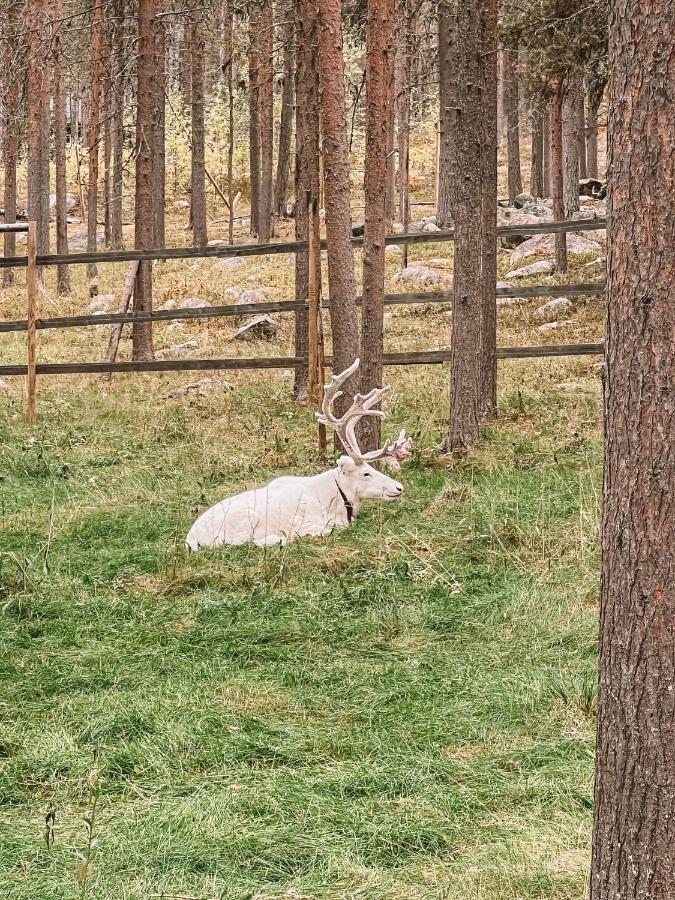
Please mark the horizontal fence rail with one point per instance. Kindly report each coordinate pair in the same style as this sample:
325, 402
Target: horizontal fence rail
412, 358
230, 250
286, 306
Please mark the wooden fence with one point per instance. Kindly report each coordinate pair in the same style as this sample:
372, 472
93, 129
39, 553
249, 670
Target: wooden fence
32, 323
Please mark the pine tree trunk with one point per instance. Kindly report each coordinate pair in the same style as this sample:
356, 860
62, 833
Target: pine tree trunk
185, 64
144, 221
107, 136
229, 64
10, 143
199, 233
511, 111
488, 109
537, 170
468, 306
36, 74
634, 813
117, 126
595, 95
570, 131
402, 65
555, 117
447, 116
380, 44
266, 113
337, 194
546, 176
93, 130
581, 136
59, 89
286, 116
301, 188
254, 117
159, 167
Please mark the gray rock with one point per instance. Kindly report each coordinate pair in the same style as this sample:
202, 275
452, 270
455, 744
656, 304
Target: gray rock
197, 387
182, 204
547, 326
177, 350
100, 303
251, 296
430, 226
71, 202
79, 242
257, 328
193, 303
577, 244
417, 275
600, 261
391, 249
230, 295
230, 262
522, 199
543, 267
4, 385
549, 311
168, 304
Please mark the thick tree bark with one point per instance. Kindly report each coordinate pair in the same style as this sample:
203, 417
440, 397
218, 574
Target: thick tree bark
10, 143
447, 116
488, 110
229, 64
159, 118
254, 117
595, 95
537, 169
94, 127
337, 194
581, 135
402, 66
199, 230
117, 126
511, 111
467, 307
301, 186
286, 116
36, 75
59, 88
546, 176
570, 135
380, 32
634, 817
144, 221
266, 107
555, 118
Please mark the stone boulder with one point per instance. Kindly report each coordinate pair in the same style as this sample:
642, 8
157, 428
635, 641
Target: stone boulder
520, 201
257, 328
230, 262
577, 244
550, 310
542, 267
417, 275
177, 350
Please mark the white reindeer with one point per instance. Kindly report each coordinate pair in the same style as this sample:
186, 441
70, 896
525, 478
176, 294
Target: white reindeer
291, 507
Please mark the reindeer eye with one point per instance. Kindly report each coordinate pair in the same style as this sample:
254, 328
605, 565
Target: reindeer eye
367, 474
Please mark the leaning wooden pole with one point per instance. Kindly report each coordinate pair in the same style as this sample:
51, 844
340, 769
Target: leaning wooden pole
31, 291
316, 362
125, 297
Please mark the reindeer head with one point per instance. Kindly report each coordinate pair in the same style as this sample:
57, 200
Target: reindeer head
355, 469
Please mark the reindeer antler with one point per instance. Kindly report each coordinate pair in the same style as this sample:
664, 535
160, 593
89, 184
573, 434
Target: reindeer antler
345, 426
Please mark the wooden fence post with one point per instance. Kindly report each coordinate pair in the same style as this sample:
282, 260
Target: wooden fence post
31, 291
316, 366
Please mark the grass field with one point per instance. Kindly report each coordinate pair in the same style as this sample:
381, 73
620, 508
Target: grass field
402, 710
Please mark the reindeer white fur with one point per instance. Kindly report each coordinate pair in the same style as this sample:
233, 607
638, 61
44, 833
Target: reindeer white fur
291, 507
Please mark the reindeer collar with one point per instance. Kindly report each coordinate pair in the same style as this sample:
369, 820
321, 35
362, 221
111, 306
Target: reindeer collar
349, 506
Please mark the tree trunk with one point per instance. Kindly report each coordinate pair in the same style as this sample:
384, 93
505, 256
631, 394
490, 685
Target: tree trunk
501, 118
159, 118
380, 30
266, 113
537, 170
546, 177
286, 117
229, 63
634, 815
36, 73
254, 118
403, 118
595, 94
199, 233
302, 186
555, 117
511, 94
488, 175
570, 130
581, 135
117, 125
63, 272
10, 144
468, 306
185, 64
337, 194
447, 115
144, 222
93, 130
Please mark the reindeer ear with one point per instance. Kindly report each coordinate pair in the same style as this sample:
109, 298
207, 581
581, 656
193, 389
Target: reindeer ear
345, 465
